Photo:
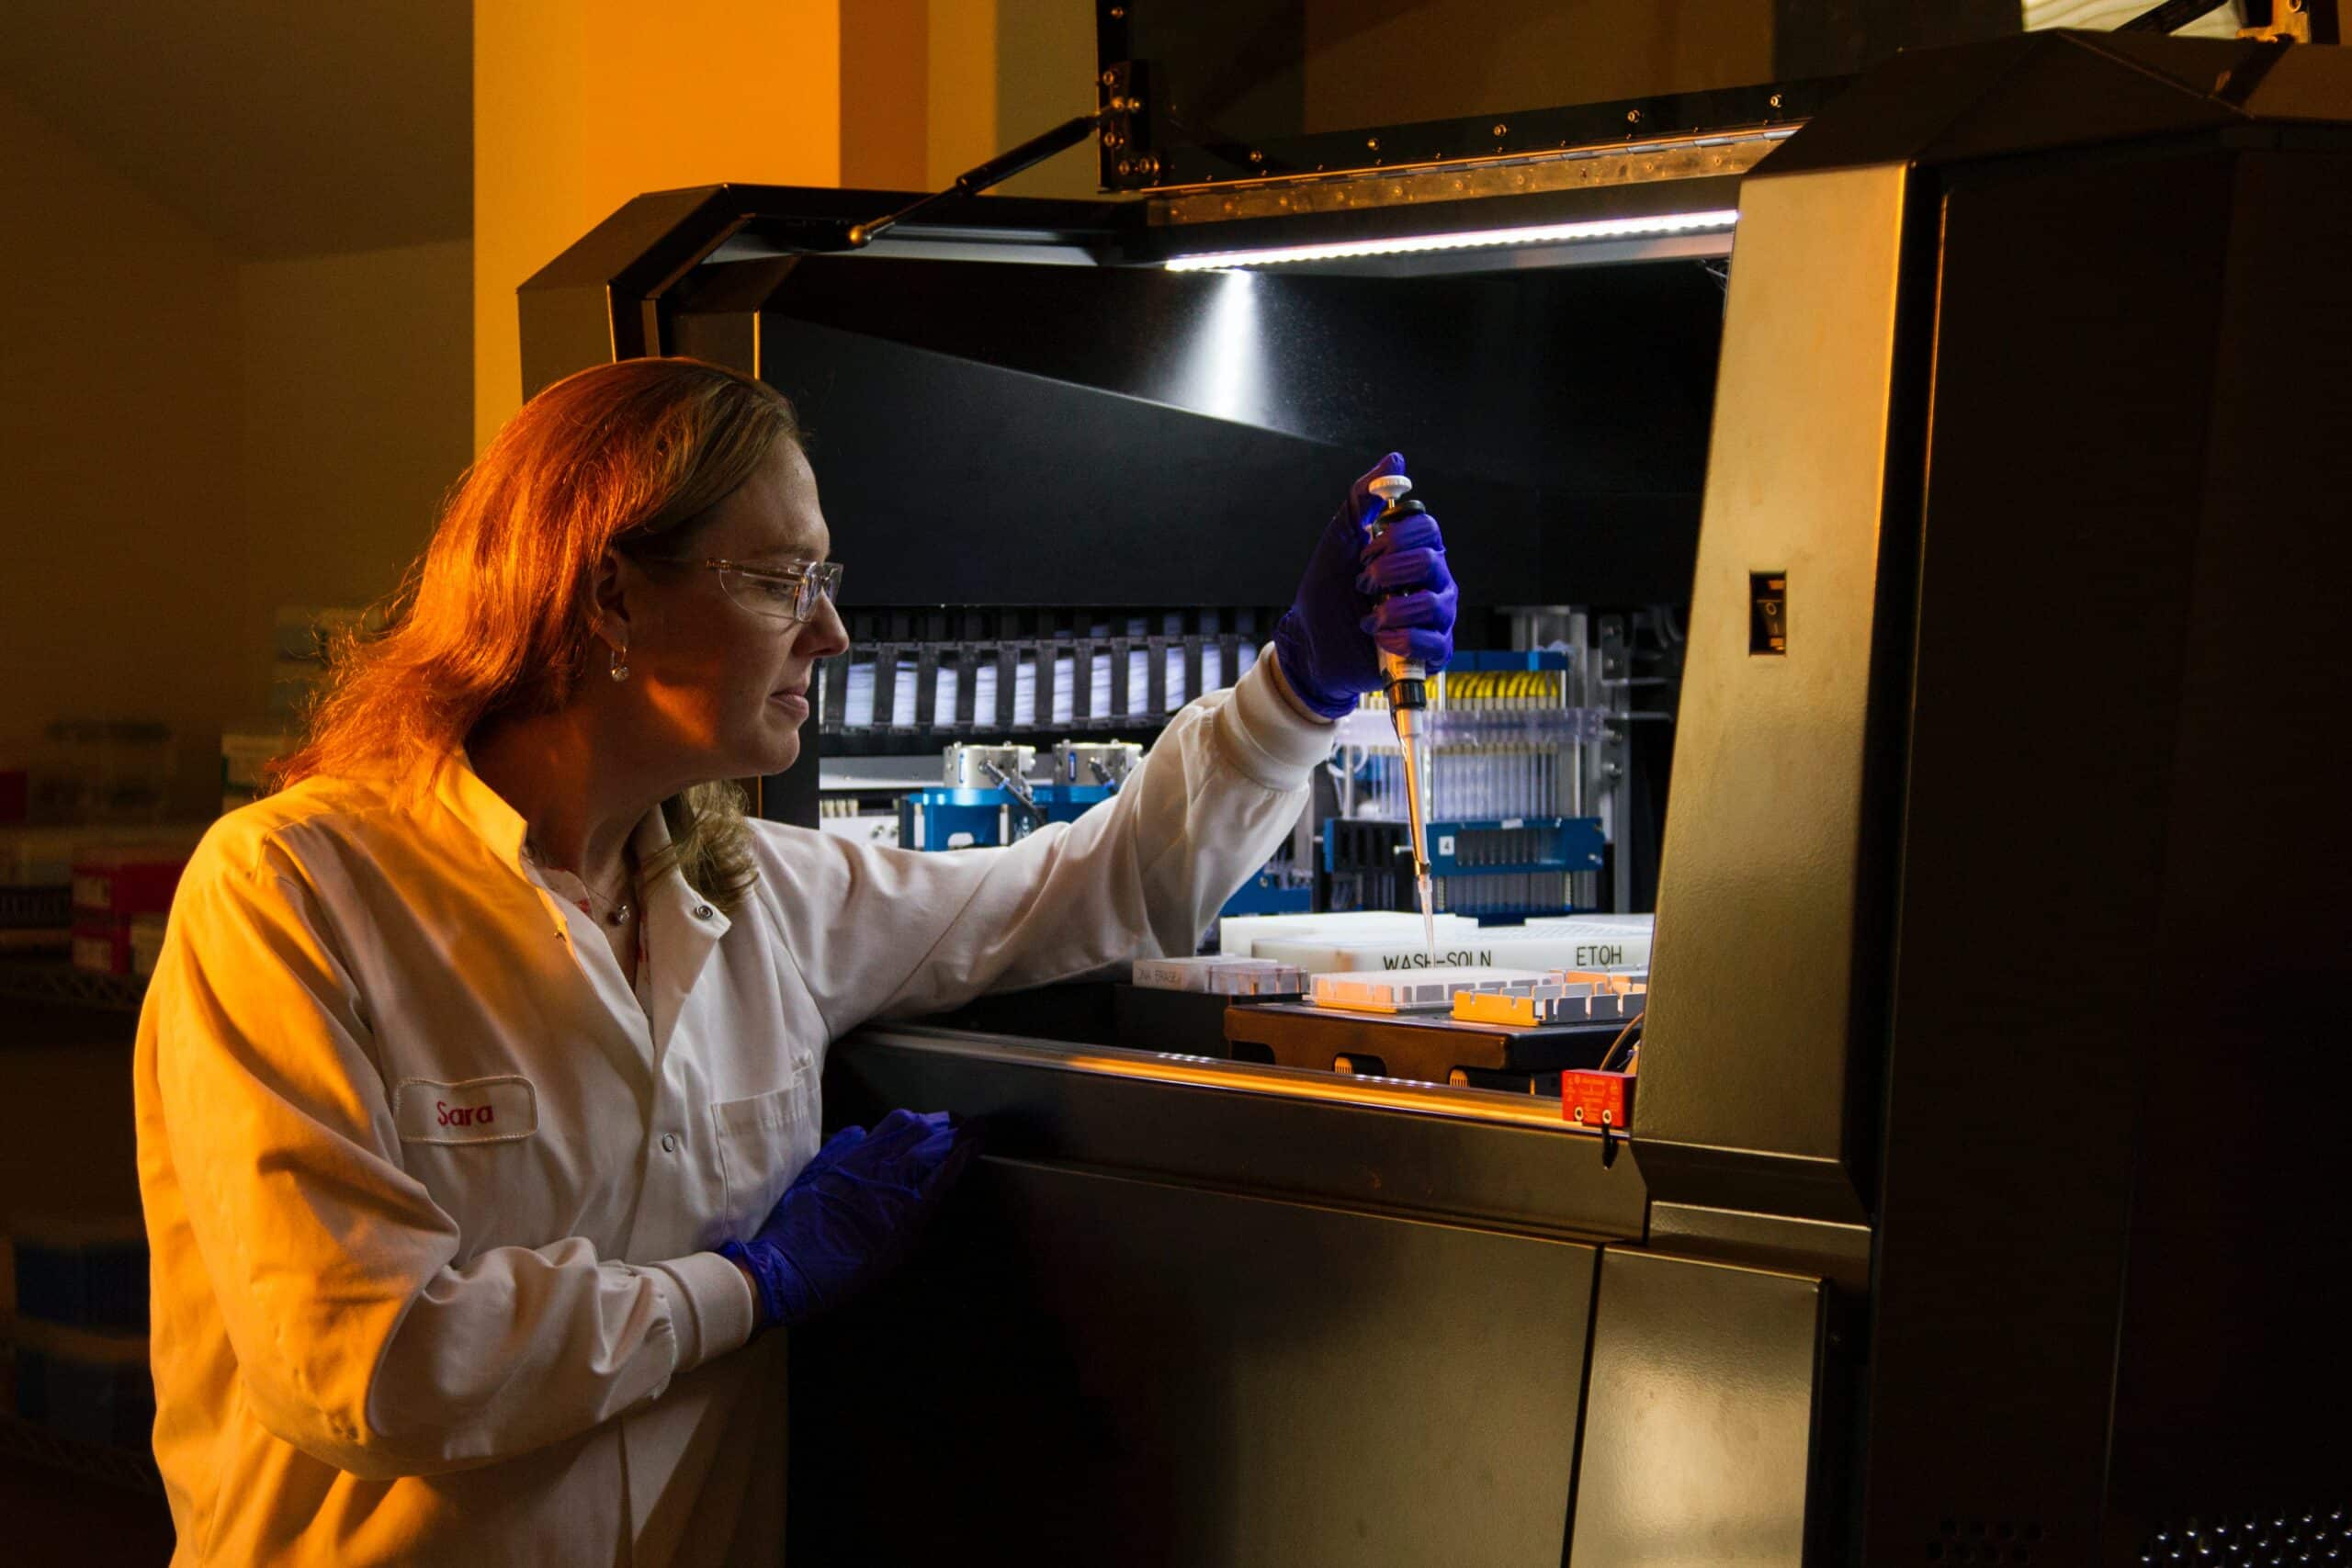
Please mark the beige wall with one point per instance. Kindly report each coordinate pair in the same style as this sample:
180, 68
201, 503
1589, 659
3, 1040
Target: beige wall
121, 517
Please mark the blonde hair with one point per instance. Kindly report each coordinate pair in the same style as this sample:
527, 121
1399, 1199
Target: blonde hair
495, 617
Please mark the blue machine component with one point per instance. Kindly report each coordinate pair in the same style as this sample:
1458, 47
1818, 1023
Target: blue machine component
1510, 846
1478, 661
1266, 894
963, 819
958, 818
1516, 845
1497, 870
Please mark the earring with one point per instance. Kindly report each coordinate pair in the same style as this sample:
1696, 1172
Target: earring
619, 669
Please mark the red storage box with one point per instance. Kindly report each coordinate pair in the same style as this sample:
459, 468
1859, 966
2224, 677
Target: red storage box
119, 881
100, 945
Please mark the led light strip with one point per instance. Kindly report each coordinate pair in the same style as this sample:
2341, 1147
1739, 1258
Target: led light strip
1466, 239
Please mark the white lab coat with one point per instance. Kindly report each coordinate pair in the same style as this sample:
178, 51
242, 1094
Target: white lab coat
431, 1190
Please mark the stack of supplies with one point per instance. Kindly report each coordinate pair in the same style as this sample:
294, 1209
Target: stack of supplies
304, 640
1426, 990
1615, 942
102, 770
1576, 996
37, 869
115, 887
1225, 977
1570, 941
245, 756
16, 783
35, 890
79, 1332
1242, 936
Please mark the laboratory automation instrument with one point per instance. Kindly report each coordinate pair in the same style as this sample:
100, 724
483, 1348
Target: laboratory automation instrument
1949, 1225
1513, 747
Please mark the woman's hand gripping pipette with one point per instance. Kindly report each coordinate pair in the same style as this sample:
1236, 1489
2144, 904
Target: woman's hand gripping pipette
1407, 689
1374, 611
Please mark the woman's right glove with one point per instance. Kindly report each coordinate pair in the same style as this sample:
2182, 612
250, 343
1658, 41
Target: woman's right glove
1361, 597
852, 1213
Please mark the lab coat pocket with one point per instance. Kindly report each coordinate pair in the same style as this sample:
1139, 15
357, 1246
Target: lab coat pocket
763, 1143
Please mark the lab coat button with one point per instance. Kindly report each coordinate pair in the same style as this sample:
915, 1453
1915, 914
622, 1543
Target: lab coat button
702, 911
669, 1143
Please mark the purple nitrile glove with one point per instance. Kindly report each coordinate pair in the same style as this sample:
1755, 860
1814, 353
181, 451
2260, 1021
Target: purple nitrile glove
1330, 641
853, 1213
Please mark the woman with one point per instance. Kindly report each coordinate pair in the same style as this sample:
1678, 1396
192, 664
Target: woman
471, 1048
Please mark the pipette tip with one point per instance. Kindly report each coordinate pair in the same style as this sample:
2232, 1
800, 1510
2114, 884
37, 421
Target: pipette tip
1429, 916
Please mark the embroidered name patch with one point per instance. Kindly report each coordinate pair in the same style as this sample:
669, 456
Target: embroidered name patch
471, 1110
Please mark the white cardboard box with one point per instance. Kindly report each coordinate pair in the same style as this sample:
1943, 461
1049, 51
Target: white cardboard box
1566, 942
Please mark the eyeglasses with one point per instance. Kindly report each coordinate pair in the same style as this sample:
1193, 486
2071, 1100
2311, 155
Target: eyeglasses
786, 595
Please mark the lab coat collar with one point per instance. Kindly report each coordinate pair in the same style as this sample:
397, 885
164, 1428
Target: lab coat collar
670, 892
481, 808
682, 928
693, 922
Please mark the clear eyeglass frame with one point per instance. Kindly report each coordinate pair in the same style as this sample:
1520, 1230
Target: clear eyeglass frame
785, 593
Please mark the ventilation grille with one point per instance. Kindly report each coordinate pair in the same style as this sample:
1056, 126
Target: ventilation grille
2266, 1539
1985, 1541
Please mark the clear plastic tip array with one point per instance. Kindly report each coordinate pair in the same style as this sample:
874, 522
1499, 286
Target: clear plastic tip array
1223, 976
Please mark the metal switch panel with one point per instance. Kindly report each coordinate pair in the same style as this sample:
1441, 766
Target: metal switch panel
1768, 612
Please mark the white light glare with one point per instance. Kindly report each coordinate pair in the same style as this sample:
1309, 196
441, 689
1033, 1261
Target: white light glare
1466, 239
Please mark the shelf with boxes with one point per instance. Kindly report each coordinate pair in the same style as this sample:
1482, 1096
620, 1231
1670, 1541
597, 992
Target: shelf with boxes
55, 981
73, 1349
89, 852
131, 1469
95, 897
116, 770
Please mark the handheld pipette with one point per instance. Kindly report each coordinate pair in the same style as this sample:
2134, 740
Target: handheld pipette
1407, 700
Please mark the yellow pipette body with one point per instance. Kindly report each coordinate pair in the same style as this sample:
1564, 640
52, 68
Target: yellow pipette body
1407, 700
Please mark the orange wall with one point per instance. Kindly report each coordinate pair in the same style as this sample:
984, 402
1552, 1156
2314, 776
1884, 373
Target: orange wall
580, 105
960, 104
577, 109
886, 78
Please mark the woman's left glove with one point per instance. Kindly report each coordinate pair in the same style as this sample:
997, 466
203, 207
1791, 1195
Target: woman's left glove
1330, 642
853, 1213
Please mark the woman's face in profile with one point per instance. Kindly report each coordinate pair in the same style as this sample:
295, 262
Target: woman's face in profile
730, 686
